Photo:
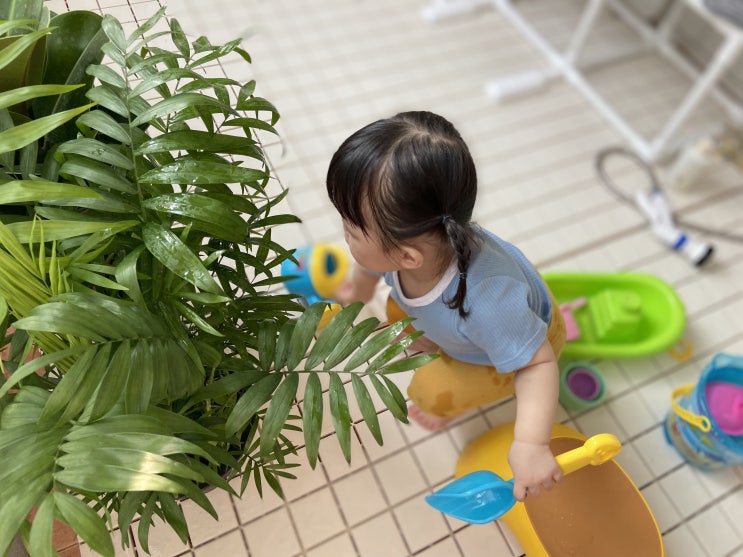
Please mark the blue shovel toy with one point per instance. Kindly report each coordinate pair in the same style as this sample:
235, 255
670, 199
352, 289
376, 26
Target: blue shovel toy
483, 496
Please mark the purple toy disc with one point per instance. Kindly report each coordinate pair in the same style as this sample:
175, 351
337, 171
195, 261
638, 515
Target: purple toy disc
583, 383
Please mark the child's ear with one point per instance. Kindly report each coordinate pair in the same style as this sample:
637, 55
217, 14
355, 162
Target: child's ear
410, 257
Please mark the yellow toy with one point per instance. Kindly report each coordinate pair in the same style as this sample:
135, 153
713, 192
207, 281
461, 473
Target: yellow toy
595, 510
316, 271
315, 274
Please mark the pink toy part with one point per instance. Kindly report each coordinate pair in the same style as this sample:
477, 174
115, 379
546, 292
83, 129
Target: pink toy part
572, 331
725, 403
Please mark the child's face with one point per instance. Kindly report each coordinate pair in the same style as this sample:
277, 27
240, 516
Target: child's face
367, 251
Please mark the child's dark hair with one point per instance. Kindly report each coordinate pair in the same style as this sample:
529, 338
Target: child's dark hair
406, 176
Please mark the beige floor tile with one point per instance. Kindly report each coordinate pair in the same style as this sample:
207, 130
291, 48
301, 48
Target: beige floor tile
231, 544
420, 524
335, 462
251, 506
400, 477
438, 455
444, 548
337, 547
307, 481
379, 536
317, 517
538, 188
163, 541
392, 438
359, 496
272, 535
202, 526
482, 541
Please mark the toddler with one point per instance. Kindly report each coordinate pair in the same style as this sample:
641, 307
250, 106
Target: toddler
405, 188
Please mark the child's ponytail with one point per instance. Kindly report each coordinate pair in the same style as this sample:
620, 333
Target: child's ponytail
460, 239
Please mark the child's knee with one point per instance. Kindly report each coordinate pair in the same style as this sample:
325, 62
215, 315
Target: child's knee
446, 387
430, 391
439, 403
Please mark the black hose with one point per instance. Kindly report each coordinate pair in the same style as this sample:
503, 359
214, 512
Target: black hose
600, 163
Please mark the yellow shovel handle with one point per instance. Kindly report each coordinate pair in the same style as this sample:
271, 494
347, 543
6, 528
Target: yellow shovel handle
700, 422
596, 450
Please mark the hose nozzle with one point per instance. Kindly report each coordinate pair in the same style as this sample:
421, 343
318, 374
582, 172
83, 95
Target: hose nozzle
654, 206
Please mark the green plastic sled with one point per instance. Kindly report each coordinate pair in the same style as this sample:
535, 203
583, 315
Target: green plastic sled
617, 315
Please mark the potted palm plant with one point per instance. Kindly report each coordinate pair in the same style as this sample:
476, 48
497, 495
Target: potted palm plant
150, 351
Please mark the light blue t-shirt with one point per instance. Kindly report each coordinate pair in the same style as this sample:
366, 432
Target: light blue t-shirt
508, 303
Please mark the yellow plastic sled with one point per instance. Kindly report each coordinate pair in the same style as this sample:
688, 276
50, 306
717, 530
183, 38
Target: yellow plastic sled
595, 510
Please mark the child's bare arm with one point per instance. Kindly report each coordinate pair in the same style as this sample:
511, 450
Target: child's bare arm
536, 386
359, 287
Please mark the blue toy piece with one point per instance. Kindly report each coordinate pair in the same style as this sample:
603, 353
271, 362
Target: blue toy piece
316, 272
478, 497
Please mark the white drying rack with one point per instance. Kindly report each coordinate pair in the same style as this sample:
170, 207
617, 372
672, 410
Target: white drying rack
565, 64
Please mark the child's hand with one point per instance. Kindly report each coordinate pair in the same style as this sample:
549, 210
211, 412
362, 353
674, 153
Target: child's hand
534, 468
350, 292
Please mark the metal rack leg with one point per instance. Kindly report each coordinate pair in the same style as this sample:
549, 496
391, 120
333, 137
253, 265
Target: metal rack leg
560, 67
724, 56
566, 65
527, 82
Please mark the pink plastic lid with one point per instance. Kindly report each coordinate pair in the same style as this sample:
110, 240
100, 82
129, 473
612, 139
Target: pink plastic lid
725, 403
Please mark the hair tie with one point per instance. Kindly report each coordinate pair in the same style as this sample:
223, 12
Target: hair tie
463, 276
446, 218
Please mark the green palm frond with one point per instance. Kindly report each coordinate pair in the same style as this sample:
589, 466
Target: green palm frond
140, 278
